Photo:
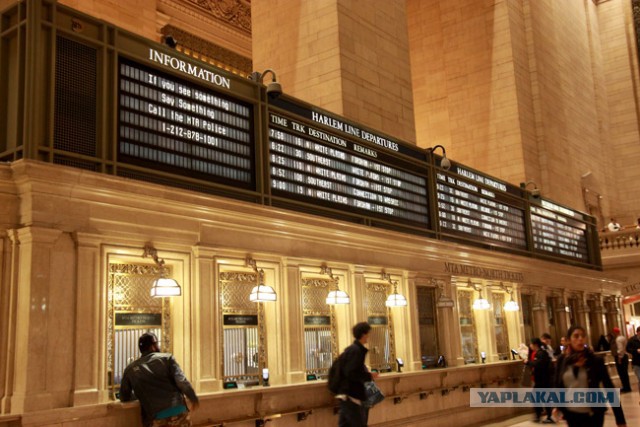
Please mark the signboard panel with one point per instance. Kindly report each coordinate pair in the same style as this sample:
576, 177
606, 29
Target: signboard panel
177, 126
138, 319
481, 208
559, 231
310, 163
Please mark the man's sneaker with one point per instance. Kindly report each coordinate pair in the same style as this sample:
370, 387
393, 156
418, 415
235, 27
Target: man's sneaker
548, 421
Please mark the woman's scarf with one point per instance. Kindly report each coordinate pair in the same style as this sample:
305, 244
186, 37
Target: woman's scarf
577, 359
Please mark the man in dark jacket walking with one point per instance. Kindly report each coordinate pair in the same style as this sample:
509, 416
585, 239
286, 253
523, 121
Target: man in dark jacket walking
540, 363
157, 381
355, 374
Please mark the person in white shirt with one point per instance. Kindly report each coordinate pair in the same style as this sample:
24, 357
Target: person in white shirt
613, 225
618, 351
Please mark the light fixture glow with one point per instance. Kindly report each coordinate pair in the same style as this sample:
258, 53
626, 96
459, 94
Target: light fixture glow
338, 297
395, 299
481, 304
165, 287
511, 305
162, 286
262, 293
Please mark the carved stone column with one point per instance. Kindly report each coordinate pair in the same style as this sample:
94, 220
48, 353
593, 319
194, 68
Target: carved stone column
449, 343
45, 320
612, 313
292, 300
540, 321
561, 315
597, 324
207, 326
455, 346
90, 384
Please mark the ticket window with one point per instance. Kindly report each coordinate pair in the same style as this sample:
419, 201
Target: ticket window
243, 332
500, 327
427, 324
468, 335
381, 340
320, 347
526, 302
132, 312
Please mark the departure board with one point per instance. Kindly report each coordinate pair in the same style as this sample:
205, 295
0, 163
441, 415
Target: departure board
171, 124
559, 231
310, 163
480, 208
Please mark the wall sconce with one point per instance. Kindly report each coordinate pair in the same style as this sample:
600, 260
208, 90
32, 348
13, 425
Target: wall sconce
510, 305
535, 193
162, 286
444, 163
335, 296
260, 292
274, 89
395, 299
480, 303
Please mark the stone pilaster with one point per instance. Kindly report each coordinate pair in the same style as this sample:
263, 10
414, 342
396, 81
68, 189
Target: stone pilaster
206, 327
45, 321
90, 379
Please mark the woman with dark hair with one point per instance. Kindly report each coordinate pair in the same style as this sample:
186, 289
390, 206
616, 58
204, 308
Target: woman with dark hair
579, 367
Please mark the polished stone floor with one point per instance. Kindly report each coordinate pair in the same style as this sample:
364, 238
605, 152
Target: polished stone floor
630, 405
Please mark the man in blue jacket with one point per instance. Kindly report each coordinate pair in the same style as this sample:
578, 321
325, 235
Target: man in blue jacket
157, 381
355, 374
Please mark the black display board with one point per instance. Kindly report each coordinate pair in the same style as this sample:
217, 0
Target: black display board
480, 208
321, 163
310, 163
559, 231
173, 125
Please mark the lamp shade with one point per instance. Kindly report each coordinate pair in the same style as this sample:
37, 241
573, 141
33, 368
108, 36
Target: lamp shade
262, 293
396, 300
481, 304
338, 297
164, 287
511, 306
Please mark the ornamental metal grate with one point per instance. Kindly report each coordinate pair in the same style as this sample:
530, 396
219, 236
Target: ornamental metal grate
75, 115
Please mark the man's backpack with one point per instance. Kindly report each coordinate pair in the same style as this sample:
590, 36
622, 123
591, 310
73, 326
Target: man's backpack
336, 375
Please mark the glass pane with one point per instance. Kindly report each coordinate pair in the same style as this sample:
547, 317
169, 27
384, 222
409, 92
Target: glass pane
241, 354
317, 346
427, 323
467, 328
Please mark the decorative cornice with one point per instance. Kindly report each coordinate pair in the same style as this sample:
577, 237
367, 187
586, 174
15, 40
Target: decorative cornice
199, 47
232, 13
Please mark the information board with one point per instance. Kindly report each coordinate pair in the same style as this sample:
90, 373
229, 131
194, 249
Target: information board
321, 166
481, 208
169, 123
559, 231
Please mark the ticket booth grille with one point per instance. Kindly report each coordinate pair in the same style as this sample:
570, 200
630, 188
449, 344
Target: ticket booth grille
468, 337
382, 352
500, 327
132, 312
243, 338
320, 346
